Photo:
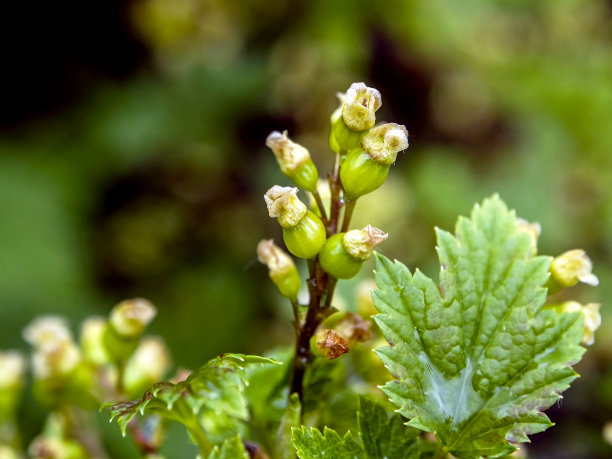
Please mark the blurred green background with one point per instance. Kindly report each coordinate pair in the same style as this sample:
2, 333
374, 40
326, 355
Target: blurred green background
132, 156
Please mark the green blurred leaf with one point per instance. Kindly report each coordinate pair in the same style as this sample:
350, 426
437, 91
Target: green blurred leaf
232, 448
312, 444
218, 386
477, 359
385, 436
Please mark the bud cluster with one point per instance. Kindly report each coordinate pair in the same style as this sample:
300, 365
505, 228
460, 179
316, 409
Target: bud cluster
321, 234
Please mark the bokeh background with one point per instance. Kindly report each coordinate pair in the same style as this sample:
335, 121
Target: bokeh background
132, 156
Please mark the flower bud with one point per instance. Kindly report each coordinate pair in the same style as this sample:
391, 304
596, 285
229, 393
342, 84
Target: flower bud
148, 365
384, 142
365, 169
344, 253
92, 340
341, 137
283, 203
359, 107
130, 317
55, 353
12, 368
570, 268
533, 230
303, 231
591, 319
294, 160
281, 268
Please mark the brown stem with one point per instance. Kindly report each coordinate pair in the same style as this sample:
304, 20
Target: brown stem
349, 207
321, 206
335, 188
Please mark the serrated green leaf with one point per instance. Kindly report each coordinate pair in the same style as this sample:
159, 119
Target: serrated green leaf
312, 444
291, 419
476, 360
217, 386
384, 436
232, 448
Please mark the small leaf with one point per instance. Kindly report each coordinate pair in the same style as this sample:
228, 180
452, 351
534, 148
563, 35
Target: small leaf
384, 436
476, 360
232, 448
217, 386
312, 444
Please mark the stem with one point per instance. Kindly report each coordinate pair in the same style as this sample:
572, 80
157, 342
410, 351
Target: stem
349, 207
441, 452
296, 317
335, 188
198, 435
321, 206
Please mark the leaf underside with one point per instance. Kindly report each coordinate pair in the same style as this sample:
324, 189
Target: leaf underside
476, 359
217, 386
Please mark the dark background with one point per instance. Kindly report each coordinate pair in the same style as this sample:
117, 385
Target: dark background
132, 156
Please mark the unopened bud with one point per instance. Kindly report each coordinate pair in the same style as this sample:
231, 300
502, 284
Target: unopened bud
283, 203
344, 253
361, 243
148, 365
353, 329
591, 318
47, 330
570, 268
130, 317
533, 230
384, 142
281, 268
12, 368
294, 160
359, 107
92, 340
365, 303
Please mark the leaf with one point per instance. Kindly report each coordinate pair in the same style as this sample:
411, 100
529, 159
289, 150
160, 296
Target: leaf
232, 448
217, 386
312, 444
476, 360
291, 419
384, 436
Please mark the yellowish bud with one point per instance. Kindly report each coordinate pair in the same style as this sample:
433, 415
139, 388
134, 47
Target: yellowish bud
532, 229
360, 243
284, 204
130, 317
12, 368
55, 353
359, 106
590, 316
92, 340
384, 142
290, 155
572, 267
607, 432
149, 364
281, 268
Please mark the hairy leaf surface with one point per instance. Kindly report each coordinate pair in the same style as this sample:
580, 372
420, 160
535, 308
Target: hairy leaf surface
476, 359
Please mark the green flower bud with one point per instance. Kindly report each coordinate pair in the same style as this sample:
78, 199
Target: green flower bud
344, 253
307, 238
12, 368
591, 318
148, 365
341, 137
303, 231
570, 268
365, 169
533, 230
92, 340
281, 268
359, 106
294, 160
130, 317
